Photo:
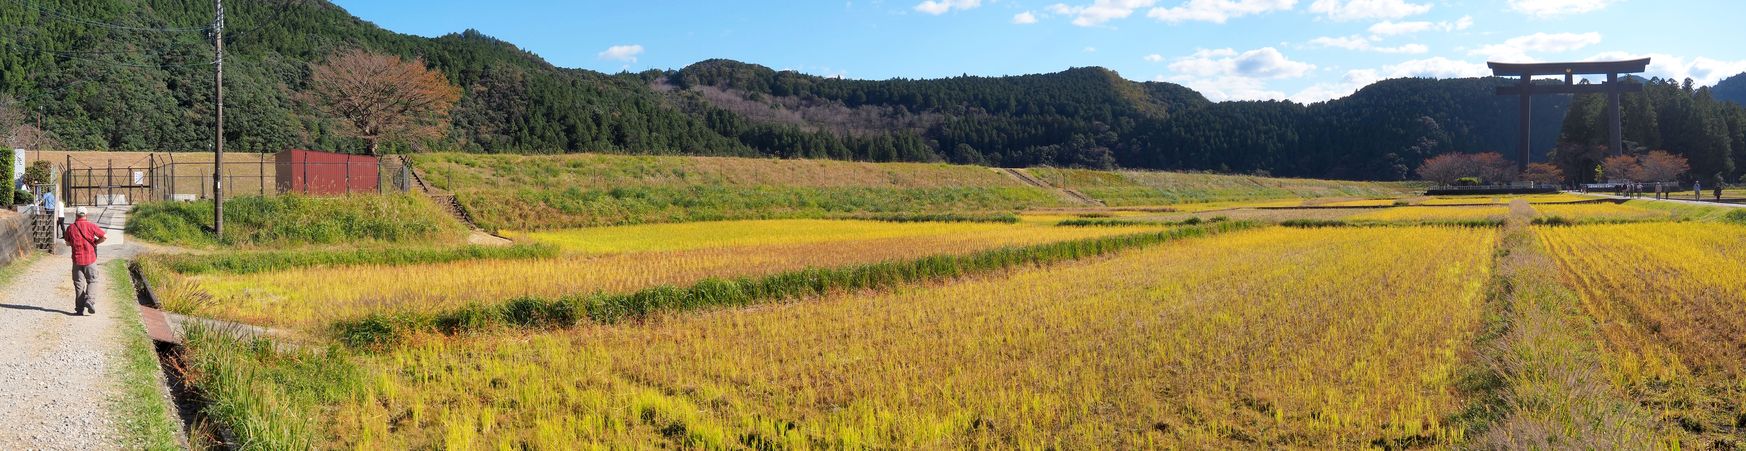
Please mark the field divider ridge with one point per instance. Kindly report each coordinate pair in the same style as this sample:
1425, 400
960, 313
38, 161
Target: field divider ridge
380, 331
1538, 379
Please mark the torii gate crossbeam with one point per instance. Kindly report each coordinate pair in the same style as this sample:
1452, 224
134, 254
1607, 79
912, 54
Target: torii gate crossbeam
1526, 89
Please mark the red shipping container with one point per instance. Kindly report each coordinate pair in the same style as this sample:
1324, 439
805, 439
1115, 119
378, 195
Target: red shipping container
325, 173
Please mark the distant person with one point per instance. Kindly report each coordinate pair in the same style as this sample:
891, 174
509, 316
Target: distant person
83, 237
51, 207
1718, 190
1698, 190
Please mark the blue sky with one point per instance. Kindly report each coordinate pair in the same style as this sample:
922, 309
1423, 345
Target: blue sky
1303, 50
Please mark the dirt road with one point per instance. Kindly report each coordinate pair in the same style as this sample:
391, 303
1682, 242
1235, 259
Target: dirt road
57, 370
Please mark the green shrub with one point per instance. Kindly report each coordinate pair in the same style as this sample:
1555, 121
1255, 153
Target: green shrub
268, 261
6, 172
296, 220
1737, 216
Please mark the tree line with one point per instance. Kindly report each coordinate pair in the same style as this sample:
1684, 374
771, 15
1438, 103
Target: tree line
98, 87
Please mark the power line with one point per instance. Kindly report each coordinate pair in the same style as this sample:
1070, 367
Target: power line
97, 23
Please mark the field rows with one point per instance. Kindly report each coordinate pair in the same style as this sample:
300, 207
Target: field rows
1262, 338
309, 297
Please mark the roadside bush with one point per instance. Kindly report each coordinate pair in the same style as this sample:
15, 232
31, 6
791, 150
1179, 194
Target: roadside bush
297, 220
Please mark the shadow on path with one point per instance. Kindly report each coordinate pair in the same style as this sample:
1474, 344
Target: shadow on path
35, 309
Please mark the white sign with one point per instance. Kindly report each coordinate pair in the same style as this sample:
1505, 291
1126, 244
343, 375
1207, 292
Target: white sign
17, 169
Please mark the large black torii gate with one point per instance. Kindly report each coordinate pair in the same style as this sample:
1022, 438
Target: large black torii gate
1526, 89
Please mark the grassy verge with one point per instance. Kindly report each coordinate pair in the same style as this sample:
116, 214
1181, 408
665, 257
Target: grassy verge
142, 408
1540, 378
1004, 218
1105, 222
12, 270
261, 393
267, 261
1130, 188
380, 331
296, 220
1325, 223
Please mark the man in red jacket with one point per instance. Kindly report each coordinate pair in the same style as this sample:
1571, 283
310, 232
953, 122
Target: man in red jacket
83, 237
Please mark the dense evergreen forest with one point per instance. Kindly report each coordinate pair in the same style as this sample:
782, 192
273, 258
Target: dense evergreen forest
136, 75
1670, 115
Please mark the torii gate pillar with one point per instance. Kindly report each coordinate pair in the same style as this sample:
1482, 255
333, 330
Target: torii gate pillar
1526, 89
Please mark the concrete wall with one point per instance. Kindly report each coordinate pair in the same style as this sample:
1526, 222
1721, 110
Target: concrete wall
14, 236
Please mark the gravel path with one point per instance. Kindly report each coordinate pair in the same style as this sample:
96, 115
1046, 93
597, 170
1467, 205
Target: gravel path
56, 370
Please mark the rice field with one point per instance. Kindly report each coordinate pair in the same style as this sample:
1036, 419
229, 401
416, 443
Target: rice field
1667, 300
610, 260
1265, 338
1600, 212
1504, 200
1435, 214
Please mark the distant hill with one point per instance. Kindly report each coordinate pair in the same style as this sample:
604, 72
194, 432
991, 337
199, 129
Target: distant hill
1731, 89
105, 87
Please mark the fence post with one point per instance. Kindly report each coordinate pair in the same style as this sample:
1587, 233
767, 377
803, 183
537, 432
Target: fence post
262, 172
348, 174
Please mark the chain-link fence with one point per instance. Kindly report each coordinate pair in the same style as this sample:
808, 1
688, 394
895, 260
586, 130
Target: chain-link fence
171, 177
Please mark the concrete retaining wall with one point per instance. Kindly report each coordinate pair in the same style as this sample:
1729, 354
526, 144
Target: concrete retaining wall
14, 236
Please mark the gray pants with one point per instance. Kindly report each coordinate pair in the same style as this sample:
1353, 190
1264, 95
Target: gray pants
84, 278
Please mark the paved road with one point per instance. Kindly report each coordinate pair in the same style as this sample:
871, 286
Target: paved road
1677, 199
57, 370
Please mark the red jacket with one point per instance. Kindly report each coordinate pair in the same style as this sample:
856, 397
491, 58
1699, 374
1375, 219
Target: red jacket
82, 237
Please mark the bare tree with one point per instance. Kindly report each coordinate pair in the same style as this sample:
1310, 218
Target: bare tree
1449, 167
382, 97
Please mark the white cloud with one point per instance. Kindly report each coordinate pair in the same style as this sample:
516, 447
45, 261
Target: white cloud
626, 53
1154, 58
1703, 71
1218, 11
1549, 8
1225, 74
938, 7
1352, 82
1221, 89
1436, 67
1343, 10
1361, 43
1264, 62
1024, 18
1387, 28
1517, 49
1100, 11
1091, 50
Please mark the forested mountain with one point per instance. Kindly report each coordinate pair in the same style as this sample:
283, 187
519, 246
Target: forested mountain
1668, 115
1731, 89
146, 85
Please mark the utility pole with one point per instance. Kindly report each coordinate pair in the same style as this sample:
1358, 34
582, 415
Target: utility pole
218, 111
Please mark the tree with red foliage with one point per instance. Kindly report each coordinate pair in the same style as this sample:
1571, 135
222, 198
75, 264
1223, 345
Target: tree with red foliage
1449, 167
1545, 173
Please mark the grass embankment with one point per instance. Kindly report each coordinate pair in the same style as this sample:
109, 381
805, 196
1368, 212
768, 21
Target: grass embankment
252, 262
1134, 188
294, 220
567, 311
509, 192
142, 408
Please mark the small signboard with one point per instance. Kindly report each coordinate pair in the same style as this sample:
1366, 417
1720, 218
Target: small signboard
17, 169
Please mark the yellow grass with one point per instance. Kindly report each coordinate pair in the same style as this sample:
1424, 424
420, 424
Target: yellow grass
1497, 212
1504, 200
1667, 298
1213, 206
1600, 211
311, 296
699, 235
1330, 338
1359, 203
